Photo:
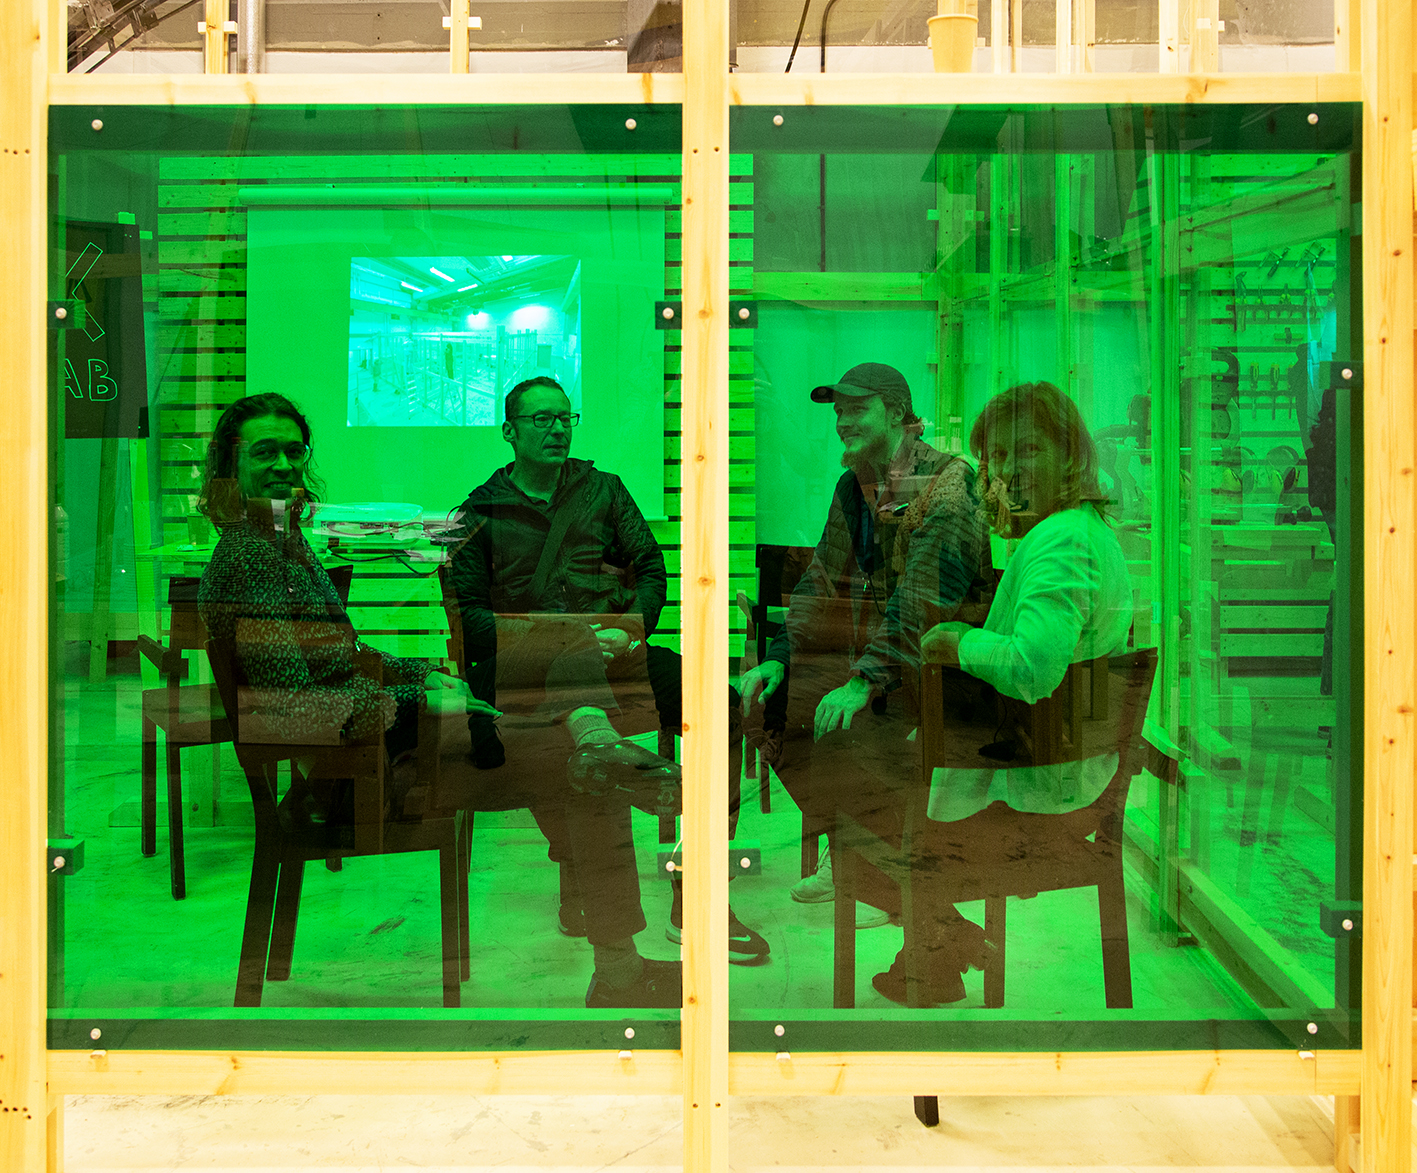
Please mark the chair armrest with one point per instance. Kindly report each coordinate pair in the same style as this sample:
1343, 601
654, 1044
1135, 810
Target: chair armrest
165, 660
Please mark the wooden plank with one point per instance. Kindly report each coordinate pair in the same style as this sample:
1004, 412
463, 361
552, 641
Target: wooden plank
25, 50
1270, 645
230, 222
1390, 584
809, 286
200, 366
963, 89
227, 169
200, 335
487, 89
184, 308
707, 253
973, 1073
200, 279
363, 1073
216, 44
201, 252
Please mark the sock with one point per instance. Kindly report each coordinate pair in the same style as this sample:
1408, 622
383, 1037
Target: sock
618, 963
590, 726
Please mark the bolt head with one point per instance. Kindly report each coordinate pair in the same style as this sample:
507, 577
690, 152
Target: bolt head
777, 119
1347, 925
1313, 119
745, 862
630, 124
1312, 1028
95, 1034
668, 313
59, 862
97, 123
61, 313
1347, 372
744, 314
779, 1030
629, 1032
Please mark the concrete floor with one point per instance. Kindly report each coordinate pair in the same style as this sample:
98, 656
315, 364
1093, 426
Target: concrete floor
360, 1135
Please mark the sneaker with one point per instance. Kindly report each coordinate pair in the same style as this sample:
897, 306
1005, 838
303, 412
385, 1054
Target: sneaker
817, 888
659, 985
745, 946
870, 917
944, 986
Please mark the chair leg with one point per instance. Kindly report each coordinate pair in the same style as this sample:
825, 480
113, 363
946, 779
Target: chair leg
449, 857
292, 880
147, 803
810, 857
256, 936
764, 786
844, 930
995, 930
464, 868
176, 848
927, 1110
1116, 950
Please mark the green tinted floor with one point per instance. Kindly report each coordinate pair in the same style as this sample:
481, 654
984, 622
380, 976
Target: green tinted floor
369, 935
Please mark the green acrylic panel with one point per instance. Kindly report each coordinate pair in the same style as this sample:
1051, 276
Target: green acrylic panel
1187, 278
394, 271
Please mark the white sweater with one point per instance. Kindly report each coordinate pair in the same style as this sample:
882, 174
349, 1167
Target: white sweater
1066, 597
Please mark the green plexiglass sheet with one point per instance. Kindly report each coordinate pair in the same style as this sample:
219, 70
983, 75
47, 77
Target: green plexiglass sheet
1026, 387
393, 273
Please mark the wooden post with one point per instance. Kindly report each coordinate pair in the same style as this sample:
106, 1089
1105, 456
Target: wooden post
999, 35
1205, 36
24, 581
457, 36
1169, 42
1347, 38
1063, 36
1390, 580
1346, 1110
704, 585
215, 55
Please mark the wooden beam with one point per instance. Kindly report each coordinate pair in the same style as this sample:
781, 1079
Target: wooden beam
1063, 36
952, 89
1347, 36
216, 55
1346, 1112
217, 1073
704, 585
457, 37
816, 1073
1390, 584
1169, 39
24, 590
490, 89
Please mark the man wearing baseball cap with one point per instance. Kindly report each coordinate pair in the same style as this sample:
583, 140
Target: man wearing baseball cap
905, 545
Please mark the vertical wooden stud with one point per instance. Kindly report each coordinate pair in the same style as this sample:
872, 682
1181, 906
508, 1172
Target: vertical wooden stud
1205, 36
1347, 39
457, 36
215, 54
999, 35
24, 590
1063, 36
1346, 1110
704, 586
1015, 35
1390, 580
54, 1135
1169, 43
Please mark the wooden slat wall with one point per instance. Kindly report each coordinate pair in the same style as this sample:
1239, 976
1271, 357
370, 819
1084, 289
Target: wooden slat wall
202, 241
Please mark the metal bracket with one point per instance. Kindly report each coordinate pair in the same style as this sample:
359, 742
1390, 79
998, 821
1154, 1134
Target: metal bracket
1344, 374
1341, 918
64, 856
745, 858
67, 315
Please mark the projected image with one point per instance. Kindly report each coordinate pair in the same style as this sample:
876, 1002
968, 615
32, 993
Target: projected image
438, 341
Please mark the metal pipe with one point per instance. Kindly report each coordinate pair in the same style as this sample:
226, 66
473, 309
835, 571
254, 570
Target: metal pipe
251, 35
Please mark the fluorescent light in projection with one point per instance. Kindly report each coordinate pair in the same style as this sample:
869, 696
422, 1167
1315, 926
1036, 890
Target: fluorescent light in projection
447, 355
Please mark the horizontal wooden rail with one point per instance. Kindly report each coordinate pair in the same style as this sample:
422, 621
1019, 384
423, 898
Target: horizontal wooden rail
491, 89
660, 1073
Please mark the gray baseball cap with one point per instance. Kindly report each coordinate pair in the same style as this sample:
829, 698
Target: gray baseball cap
869, 378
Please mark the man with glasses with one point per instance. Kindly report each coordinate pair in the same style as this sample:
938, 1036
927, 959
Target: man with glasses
560, 584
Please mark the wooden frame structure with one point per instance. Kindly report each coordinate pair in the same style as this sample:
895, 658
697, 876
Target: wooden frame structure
1376, 54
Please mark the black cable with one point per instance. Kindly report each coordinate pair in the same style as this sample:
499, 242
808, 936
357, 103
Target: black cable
797, 40
826, 13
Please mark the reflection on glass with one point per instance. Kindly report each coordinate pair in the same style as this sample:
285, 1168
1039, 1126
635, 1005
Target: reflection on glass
1058, 672
368, 574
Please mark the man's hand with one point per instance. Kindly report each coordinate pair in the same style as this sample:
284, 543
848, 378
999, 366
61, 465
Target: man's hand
614, 641
765, 678
449, 696
940, 645
840, 705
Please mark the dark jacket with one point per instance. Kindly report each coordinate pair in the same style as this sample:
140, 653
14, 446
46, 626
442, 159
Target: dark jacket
874, 583
608, 564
